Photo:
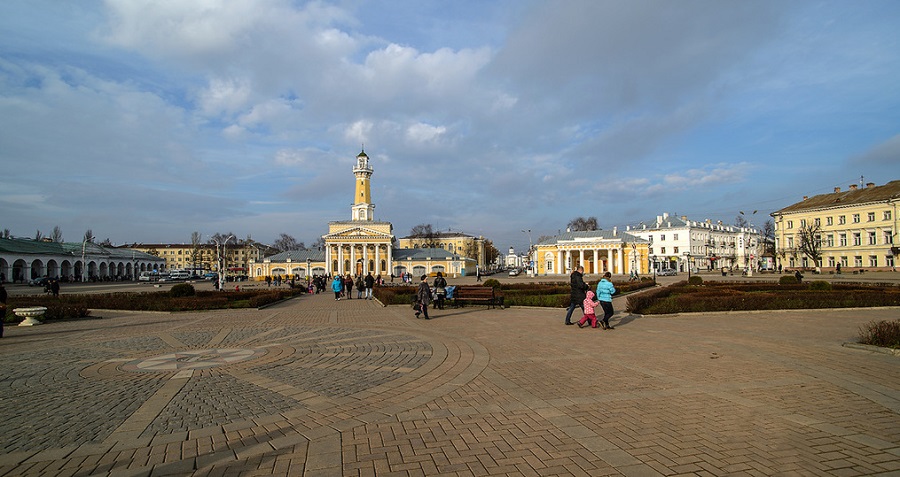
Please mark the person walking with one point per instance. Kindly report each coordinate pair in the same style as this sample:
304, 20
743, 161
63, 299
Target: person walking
54, 287
440, 290
577, 295
605, 291
370, 284
589, 305
348, 286
360, 287
337, 286
798, 276
423, 297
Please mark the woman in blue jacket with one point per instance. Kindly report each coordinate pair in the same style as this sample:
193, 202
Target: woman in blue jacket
605, 291
337, 286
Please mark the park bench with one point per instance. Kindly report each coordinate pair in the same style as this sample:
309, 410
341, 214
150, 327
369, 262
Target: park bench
477, 294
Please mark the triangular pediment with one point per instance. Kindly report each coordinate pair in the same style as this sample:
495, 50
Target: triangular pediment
357, 232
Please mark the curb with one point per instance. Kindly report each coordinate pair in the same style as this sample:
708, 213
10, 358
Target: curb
873, 349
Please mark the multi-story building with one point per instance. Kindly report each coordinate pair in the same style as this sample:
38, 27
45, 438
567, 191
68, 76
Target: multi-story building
453, 242
205, 257
853, 229
678, 242
363, 245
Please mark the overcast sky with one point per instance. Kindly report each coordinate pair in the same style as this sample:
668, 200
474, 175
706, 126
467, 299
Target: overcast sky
147, 120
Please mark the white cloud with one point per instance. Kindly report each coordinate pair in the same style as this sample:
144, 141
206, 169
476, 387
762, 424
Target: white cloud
421, 133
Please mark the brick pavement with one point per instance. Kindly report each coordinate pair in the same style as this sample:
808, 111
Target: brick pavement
316, 387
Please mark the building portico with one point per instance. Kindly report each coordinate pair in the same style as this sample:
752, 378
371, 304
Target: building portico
598, 251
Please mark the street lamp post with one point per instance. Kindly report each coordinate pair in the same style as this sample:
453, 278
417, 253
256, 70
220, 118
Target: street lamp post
530, 251
222, 261
84, 265
654, 267
687, 259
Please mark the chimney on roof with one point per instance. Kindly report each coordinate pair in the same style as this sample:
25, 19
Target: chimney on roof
852, 186
684, 218
837, 189
665, 215
869, 185
615, 231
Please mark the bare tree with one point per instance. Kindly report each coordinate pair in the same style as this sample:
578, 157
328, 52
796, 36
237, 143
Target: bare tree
106, 243
740, 221
38, 236
810, 236
89, 236
424, 236
286, 242
582, 224
56, 235
219, 237
768, 233
490, 252
196, 243
319, 243
6, 233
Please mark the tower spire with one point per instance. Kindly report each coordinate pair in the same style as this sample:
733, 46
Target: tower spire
362, 208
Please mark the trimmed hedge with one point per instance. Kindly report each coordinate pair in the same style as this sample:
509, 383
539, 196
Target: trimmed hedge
722, 296
77, 306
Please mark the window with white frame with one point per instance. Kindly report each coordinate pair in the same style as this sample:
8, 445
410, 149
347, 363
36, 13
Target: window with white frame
871, 216
873, 260
889, 260
803, 222
857, 260
842, 219
857, 238
887, 215
830, 241
855, 218
888, 236
872, 240
790, 224
843, 240
831, 261
844, 261
829, 221
818, 222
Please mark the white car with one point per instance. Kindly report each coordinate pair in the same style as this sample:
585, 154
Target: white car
667, 272
514, 272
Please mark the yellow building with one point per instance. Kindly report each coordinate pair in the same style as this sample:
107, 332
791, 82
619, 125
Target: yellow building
204, 257
598, 251
454, 242
855, 229
363, 245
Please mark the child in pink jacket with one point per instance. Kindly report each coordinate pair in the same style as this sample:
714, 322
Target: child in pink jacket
589, 304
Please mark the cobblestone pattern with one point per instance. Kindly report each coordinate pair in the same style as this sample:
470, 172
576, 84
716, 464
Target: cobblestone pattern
216, 398
46, 404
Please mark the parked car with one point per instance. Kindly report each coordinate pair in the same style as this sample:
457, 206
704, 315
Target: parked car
39, 282
210, 276
667, 272
514, 272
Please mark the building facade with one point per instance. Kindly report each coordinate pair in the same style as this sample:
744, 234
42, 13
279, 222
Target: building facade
453, 242
364, 245
22, 260
855, 229
598, 251
234, 257
678, 243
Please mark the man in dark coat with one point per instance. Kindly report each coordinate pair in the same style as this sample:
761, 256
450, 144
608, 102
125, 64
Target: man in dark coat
578, 293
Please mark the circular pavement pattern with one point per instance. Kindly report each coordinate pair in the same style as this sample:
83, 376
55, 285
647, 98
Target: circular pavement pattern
194, 359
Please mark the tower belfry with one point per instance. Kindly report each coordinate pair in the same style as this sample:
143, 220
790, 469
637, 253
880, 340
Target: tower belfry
363, 208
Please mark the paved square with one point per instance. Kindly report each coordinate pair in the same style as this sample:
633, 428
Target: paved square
317, 387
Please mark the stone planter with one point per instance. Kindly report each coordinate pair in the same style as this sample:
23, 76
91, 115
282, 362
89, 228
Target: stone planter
30, 315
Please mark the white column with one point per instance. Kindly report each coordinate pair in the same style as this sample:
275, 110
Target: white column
568, 260
596, 268
390, 259
559, 262
365, 259
352, 259
581, 257
620, 264
340, 267
377, 270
